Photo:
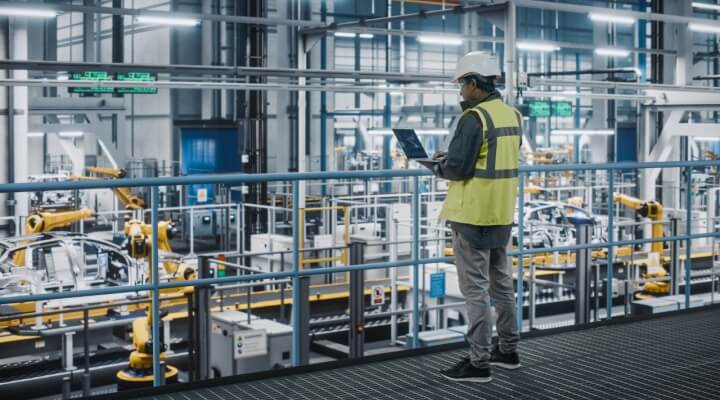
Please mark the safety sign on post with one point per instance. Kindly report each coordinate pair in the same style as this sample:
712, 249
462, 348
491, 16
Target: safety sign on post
202, 195
437, 284
377, 297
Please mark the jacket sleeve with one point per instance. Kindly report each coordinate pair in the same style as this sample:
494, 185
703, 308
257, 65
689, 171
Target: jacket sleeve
463, 150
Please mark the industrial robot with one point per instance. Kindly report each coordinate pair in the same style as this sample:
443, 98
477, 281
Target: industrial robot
129, 200
140, 367
654, 211
41, 222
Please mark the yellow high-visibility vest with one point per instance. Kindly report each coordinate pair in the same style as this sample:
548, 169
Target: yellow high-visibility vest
489, 197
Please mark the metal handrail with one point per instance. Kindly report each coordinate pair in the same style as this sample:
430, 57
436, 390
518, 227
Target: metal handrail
228, 179
296, 273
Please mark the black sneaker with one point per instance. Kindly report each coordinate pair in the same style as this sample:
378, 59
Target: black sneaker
464, 371
505, 360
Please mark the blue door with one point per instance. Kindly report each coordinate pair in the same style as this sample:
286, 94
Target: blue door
208, 151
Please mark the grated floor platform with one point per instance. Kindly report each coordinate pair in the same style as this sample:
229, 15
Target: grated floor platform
673, 357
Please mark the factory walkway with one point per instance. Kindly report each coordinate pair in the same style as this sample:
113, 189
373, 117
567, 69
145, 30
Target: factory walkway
676, 356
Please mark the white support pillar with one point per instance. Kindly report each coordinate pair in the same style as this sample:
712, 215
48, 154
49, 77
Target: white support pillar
19, 40
599, 144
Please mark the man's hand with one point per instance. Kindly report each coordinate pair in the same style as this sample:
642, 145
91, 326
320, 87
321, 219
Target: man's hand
440, 154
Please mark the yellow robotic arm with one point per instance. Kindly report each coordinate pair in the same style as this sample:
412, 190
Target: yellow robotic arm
39, 222
115, 173
139, 372
139, 236
129, 200
650, 209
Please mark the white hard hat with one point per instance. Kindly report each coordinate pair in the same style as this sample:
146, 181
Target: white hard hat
477, 63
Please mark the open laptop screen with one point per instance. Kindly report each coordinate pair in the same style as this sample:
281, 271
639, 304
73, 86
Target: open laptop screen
410, 144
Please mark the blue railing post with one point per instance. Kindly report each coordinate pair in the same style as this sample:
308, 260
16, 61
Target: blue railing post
157, 372
416, 257
688, 232
520, 246
296, 339
611, 248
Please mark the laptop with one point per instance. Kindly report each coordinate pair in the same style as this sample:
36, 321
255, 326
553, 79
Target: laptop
413, 148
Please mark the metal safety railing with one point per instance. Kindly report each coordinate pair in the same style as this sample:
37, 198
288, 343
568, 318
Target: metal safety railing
155, 286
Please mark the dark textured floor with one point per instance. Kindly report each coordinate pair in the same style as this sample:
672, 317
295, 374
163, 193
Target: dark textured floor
676, 357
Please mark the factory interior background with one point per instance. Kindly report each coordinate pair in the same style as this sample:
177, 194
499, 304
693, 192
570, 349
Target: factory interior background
212, 193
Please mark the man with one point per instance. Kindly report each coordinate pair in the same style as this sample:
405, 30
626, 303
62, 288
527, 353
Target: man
482, 166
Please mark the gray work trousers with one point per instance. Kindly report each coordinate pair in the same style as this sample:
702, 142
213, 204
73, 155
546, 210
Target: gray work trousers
484, 274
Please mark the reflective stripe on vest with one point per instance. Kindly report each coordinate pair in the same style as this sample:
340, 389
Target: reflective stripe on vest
491, 135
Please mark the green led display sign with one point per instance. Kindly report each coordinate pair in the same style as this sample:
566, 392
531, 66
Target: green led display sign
135, 76
541, 109
121, 76
561, 109
92, 90
90, 76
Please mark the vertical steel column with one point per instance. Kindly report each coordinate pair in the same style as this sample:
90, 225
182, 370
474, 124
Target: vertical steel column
521, 239
582, 279
356, 338
201, 323
611, 249
688, 231
576, 119
304, 323
86, 384
531, 297
674, 258
157, 372
89, 33
510, 52
416, 255
323, 101
295, 319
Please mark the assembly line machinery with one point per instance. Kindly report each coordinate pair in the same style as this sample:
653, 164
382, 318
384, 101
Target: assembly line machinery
108, 339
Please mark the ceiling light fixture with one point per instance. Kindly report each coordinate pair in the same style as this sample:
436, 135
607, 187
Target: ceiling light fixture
440, 40
537, 46
27, 12
349, 35
173, 21
706, 6
610, 18
612, 52
704, 28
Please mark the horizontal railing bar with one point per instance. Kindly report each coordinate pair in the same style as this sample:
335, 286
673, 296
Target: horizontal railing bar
229, 179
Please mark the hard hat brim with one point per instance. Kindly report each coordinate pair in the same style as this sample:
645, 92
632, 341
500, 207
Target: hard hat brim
488, 77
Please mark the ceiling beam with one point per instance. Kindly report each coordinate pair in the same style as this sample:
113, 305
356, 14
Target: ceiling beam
61, 66
134, 12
